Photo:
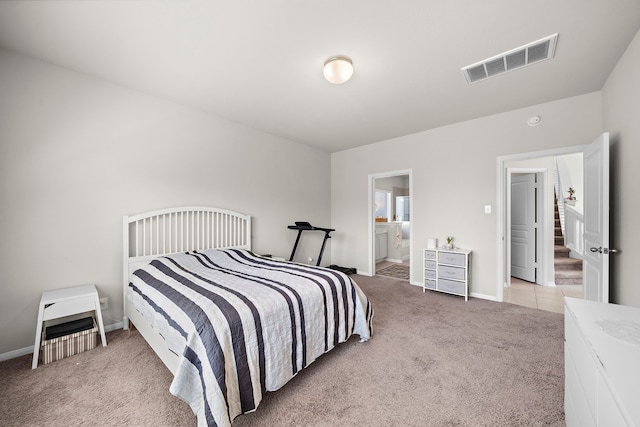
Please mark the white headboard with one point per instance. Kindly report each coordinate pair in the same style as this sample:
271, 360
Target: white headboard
162, 232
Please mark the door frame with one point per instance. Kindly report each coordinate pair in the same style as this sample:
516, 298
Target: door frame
372, 225
542, 224
501, 243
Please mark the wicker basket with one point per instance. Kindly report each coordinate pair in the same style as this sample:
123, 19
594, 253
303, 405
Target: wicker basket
68, 345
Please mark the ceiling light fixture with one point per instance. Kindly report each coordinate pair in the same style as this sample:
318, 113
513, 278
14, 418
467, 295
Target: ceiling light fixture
338, 69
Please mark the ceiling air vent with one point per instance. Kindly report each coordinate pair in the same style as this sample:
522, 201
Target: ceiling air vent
516, 58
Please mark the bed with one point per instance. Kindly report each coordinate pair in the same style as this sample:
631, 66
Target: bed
229, 324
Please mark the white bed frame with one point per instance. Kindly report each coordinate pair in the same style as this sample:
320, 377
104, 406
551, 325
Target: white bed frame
162, 232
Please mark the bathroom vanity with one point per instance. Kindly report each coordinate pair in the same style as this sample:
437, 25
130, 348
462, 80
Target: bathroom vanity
392, 241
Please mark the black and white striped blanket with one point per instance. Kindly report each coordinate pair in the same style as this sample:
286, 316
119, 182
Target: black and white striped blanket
243, 324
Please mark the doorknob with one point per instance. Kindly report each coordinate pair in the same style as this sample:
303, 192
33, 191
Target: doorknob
603, 250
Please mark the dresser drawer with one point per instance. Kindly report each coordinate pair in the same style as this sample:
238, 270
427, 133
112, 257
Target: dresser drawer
577, 412
429, 274
448, 272
451, 258
608, 412
430, 255
451, 286
430, 264
585, 369
430, 284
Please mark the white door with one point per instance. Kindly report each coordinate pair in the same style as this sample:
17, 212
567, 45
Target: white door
596, 220
523, 227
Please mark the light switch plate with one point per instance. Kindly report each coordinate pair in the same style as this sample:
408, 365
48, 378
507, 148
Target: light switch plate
487, 209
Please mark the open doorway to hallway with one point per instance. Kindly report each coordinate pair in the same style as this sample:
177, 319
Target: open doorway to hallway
544, 254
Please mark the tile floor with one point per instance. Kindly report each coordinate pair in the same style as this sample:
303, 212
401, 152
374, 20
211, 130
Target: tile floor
541, 297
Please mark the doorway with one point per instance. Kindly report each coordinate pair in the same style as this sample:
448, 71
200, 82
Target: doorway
545, 280
532, 199
390, 231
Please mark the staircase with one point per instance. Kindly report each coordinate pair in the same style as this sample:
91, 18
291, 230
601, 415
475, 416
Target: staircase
568, 271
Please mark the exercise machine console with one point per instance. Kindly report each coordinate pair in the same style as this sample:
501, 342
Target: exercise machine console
304, 226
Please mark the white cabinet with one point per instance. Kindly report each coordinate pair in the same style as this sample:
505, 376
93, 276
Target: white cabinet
447, 270
381, 245
602, 375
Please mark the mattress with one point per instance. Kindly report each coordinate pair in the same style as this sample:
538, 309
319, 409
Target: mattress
242, 324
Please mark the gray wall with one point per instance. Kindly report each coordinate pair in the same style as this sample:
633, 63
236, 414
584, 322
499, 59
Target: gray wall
78, 153
454, 176
621, 110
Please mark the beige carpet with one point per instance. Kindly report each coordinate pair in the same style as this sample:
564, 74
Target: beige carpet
434, 360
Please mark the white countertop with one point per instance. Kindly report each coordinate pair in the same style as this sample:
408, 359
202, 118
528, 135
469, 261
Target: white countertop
613, 331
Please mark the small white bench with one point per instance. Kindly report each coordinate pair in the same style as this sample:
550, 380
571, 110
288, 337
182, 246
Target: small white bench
66, 302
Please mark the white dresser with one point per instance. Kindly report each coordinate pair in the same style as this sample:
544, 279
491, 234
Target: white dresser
602, 364
447, 270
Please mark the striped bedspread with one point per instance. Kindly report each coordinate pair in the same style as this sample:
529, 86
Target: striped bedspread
243, 324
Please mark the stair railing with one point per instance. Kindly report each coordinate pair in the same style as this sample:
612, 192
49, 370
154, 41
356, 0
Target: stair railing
571, 220
573, 237
559, 199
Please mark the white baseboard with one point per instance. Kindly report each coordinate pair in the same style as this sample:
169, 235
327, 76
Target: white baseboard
483, 296
29, 350
113, 326
16, 353
472, 294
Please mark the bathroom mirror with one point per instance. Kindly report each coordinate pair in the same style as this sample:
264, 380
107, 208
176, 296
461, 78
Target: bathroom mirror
402, 208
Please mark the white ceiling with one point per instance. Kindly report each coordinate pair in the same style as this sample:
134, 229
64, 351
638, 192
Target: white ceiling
260, 62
